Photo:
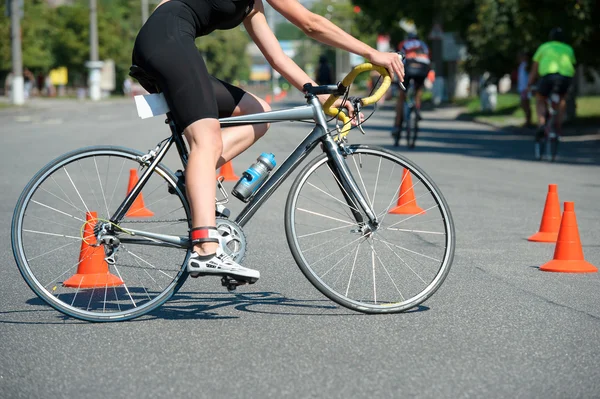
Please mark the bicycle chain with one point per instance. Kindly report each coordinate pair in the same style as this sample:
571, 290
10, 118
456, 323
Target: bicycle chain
155, 221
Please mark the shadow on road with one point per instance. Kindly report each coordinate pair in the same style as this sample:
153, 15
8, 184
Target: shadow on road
200, 306
486, 143
203, 305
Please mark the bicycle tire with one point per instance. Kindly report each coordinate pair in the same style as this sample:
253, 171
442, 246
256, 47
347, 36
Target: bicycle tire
553, 148
539, 145
46, 262
309, 207
413, 131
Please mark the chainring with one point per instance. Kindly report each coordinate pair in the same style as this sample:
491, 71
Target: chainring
233, 239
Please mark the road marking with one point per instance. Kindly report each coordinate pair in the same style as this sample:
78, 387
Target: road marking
585, 137
55, 121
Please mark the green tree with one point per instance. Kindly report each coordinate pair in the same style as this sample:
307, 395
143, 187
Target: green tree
37, 28
288, 31
495, 31
224, 52
70, 41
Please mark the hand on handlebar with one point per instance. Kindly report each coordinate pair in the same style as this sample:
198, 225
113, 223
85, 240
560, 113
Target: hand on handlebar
390, 61
339, 103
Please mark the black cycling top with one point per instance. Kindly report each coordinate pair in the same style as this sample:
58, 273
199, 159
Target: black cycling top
218, 14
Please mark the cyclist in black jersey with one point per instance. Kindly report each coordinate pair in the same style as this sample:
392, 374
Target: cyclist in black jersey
165, 49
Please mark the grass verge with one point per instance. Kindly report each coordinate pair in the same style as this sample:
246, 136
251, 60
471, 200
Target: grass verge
509, 112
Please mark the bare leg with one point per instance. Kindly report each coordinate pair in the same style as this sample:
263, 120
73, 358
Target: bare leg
526, 105
399, 110
209, 149
206, 147
418, 95
237, 139
562, 107
540, 107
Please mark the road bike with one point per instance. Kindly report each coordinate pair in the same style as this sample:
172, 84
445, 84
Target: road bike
411, 119
102, 233
546, 141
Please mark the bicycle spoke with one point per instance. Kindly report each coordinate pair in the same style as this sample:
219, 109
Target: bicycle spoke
101, 187
325, 216
76, 190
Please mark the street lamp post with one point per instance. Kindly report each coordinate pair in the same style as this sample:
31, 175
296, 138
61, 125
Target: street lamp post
17, 92
270, 15
94, 64
144, 11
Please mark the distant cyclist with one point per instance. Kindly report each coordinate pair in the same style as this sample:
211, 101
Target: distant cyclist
416, 68
554, 63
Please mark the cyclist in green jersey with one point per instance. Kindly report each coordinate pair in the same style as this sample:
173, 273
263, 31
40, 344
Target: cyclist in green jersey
554, 63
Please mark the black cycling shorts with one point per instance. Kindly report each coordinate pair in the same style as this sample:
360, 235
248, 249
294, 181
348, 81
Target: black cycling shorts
165, 49
415, 71
553, 83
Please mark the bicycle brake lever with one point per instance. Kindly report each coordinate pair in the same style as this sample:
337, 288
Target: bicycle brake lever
356, 102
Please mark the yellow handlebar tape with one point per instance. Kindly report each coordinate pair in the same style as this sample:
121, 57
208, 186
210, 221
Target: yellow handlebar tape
366, 67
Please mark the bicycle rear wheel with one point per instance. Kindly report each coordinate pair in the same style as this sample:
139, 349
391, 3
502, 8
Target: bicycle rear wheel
554, 140
393, 269
53, 236
412, 129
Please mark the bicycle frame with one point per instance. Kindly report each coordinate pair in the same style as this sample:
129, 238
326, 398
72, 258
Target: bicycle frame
312, 111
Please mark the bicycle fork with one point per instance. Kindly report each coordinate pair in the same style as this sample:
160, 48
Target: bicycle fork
350, 190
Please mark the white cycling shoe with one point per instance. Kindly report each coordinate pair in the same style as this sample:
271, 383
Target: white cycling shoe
221, 264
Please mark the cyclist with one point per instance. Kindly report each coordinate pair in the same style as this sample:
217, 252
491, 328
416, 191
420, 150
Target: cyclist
554, 63
416, 66
165, 49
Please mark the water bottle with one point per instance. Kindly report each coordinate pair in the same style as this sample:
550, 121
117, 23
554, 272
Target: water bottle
253, 177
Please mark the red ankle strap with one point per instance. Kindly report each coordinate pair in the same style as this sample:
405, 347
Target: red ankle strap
204, 234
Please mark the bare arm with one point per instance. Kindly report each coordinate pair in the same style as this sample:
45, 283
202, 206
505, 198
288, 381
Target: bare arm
323, 30
533, 74
260, 32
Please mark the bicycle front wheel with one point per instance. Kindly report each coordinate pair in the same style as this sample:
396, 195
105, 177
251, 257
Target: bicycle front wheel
391, 269
54, 235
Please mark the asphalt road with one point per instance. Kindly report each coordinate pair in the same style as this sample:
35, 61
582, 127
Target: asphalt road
497, 328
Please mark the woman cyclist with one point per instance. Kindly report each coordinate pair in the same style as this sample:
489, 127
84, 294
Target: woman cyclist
165, 49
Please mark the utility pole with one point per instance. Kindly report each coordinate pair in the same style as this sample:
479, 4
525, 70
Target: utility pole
270, 14
144, 11
94, 64
17, 91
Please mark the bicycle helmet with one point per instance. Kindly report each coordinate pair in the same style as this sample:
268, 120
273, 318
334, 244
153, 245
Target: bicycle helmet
556, 34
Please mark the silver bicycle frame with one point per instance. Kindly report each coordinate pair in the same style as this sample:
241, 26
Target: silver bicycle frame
319, 134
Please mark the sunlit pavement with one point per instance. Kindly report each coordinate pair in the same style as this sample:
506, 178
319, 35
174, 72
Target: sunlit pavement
498, 327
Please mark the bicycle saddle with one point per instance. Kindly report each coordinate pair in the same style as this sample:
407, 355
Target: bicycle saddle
144, 78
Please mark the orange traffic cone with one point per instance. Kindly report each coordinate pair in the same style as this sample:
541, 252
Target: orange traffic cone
407, 203
226, 171
137, 209
92, 271
550, 218
568, 254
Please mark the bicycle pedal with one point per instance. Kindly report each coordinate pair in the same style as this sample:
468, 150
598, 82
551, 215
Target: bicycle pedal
232, 284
